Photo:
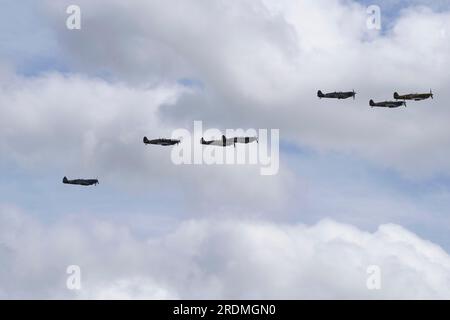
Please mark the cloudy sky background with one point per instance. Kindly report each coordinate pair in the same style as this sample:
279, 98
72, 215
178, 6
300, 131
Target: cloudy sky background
356, 186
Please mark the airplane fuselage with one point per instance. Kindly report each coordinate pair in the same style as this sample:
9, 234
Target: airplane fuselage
161, 142
224, 142
414, 96
336, 95
387, 104
81, 182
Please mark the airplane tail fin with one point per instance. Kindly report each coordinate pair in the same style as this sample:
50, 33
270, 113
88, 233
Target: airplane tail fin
146, 141
320, 94
371, 103
65, 180
396, 96
202, 141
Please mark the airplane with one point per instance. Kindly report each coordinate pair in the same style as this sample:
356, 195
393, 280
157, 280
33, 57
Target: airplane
228, 142
387, 104
414, 96
81, 182
337, 95
162, 142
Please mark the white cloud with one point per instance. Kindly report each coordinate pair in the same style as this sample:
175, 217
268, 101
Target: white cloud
216, 258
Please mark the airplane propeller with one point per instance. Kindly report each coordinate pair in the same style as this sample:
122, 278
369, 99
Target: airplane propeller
431, 94
354, 94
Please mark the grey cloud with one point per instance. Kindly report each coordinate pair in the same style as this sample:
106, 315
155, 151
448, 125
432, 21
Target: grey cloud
83, 126
262, 62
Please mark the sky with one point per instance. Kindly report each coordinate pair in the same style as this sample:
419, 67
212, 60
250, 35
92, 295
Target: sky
356, 187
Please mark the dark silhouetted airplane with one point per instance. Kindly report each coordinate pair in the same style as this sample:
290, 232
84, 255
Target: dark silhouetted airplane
337, 95
162, 142
387, 104
81, 182
414, 96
